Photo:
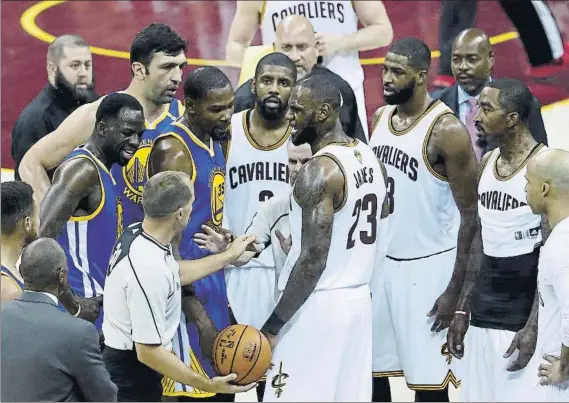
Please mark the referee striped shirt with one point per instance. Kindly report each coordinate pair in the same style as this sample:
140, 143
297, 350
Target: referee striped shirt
142, 298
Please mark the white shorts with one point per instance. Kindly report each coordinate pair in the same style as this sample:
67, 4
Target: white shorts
324, 352
251, 293
362, 112
534, 392
483, 368
404, 294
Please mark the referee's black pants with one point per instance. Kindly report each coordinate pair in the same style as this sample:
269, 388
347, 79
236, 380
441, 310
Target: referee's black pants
136, 382
534, 22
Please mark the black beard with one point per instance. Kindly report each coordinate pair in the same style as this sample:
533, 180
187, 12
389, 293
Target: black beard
402, 96
70, 92
271, 114
307, 135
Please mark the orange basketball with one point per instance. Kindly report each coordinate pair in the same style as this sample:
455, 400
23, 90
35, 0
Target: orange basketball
242, 350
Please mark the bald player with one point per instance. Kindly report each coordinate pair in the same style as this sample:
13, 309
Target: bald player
338, 38
257, 170
548, 193
472, 61
295, 37
432, 169
157, 58
20, 225
498, 299
320, 329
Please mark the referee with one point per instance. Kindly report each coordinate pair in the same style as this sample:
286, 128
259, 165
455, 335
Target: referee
142, 296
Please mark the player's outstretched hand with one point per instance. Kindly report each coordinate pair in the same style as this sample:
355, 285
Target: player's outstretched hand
455, 336
239, 246
222, 384
525, 341
443, 311
212, 240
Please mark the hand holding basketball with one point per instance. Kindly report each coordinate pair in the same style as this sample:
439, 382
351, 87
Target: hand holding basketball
225, 384
244, 351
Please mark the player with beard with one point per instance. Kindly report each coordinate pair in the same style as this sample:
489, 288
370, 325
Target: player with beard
193, 145
432, 169
157, 57
20, 223
495, 304
81, 209
257, 169
320, 330
71, 83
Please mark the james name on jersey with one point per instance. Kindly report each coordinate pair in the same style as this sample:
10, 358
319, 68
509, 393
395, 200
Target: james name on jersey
310, 9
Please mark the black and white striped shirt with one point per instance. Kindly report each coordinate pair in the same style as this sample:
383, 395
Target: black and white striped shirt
142, 298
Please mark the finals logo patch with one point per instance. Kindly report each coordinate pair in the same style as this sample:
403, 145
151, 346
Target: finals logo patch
358, 156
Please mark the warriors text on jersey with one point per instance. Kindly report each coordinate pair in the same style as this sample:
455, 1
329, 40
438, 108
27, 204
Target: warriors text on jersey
208, 166
132, 177
354, 243
424, 218
327, 17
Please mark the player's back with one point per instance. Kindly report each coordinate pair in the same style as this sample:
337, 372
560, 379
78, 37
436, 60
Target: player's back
424, 218
131, 178
354, 242
330, 17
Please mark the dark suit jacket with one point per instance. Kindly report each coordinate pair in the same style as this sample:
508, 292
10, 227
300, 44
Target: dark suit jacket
48, 355
245, 99
535, 120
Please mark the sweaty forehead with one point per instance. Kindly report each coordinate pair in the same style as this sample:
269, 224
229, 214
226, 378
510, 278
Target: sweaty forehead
219, 95
130, 117
490, 95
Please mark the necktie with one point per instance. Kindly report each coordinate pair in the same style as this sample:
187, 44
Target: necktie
471, 128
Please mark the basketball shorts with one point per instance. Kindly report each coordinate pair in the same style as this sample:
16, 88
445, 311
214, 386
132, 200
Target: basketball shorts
362, 112
483, 369
403, 341
251, 293
324, 352
182, 349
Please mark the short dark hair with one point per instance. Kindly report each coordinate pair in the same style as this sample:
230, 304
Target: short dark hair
203, 80
322, 89
41, 261
415, 50
112, 104
155, 38
514, 96
56, 49
276, 59
165, 193
17, 203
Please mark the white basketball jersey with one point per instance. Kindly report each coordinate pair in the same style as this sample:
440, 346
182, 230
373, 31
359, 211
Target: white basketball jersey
327, 17
354, 243
509, 228
424, 218
254, 175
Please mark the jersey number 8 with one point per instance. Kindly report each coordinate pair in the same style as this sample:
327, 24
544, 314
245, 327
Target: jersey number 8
367, 204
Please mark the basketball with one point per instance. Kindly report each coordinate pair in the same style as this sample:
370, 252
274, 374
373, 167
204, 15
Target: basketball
242, 350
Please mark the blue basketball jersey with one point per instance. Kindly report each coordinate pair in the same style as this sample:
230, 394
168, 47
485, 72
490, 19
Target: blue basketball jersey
88, 240
4, 271
208, 164
131, 178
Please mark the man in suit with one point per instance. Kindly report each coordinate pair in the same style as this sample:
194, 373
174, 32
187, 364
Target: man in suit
295, 37
472, 61
48, 354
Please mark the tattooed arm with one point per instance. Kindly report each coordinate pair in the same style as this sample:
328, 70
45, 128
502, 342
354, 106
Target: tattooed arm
318, 189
